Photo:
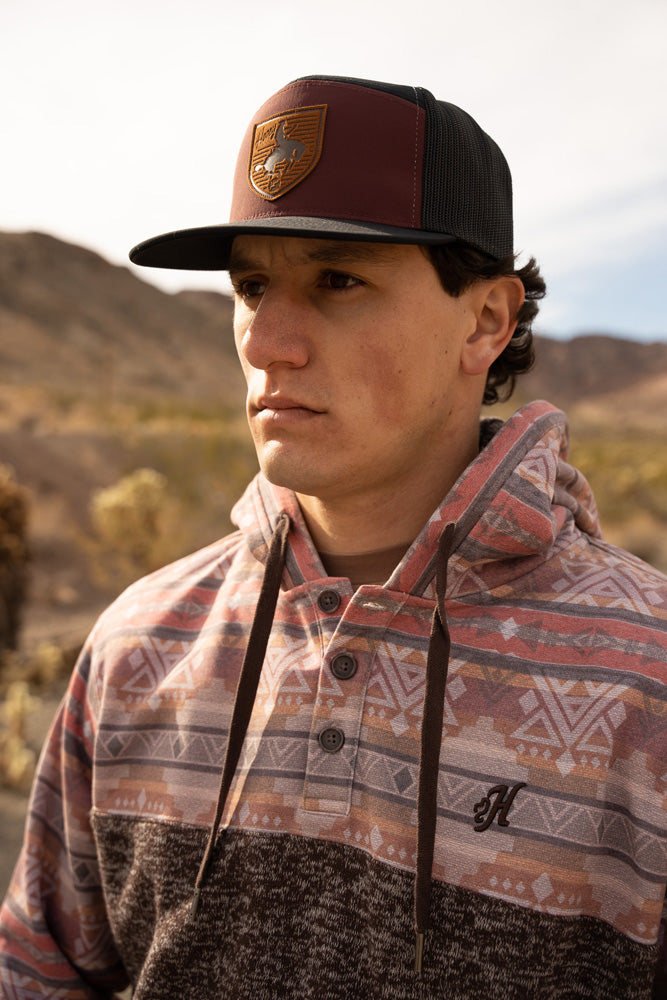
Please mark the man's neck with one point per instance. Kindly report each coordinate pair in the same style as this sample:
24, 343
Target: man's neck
345, 529
365, 568
350, 524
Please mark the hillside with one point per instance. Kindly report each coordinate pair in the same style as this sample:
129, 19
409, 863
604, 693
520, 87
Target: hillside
596, 367
71, 322
102, 373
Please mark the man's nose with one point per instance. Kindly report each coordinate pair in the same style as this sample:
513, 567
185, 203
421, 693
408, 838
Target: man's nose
276, 333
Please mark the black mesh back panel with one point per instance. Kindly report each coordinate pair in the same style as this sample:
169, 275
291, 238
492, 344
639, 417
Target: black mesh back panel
467, 183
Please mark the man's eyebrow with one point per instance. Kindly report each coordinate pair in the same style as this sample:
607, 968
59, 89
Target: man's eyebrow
237, 262
341, 253
332, 253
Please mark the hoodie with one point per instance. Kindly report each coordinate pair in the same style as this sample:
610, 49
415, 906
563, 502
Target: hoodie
473, 752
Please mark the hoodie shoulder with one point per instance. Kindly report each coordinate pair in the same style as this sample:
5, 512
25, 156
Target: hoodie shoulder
184, 588
625, 582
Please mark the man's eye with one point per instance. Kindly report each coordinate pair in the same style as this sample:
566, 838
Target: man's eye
339, 280
249, 288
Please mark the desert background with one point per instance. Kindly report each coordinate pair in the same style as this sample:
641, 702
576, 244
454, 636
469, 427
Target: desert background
123, 442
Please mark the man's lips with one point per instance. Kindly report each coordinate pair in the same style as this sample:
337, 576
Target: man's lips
282, 409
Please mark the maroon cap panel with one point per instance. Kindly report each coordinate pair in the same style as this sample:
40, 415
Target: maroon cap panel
359, 156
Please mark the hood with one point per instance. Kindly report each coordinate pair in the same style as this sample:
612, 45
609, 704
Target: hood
511, 506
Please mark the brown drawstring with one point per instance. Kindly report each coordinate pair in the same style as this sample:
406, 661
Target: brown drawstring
247, 685
437, 663
431, 735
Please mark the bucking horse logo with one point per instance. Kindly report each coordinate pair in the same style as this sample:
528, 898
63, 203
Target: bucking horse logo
285, 149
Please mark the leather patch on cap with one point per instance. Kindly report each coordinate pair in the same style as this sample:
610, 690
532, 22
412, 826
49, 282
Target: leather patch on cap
285, 149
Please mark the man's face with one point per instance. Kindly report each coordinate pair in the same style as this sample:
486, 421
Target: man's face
351, 352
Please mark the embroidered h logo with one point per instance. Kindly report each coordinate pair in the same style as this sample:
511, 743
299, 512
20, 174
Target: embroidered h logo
486, 811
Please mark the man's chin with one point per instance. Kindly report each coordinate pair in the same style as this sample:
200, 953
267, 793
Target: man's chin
281, 471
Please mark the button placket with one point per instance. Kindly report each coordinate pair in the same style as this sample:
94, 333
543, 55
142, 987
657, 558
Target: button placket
335, 728
344, 676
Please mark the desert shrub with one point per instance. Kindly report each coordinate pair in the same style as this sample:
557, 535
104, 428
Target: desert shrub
17, 759
14, 557
129, 520
202, 470
629, 475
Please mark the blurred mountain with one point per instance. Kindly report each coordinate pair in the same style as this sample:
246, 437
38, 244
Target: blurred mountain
596, 374
71, 321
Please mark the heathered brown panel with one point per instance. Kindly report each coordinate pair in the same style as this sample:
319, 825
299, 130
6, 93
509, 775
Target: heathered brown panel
296, 919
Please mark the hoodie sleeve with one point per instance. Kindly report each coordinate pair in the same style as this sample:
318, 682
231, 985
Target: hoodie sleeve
54, 934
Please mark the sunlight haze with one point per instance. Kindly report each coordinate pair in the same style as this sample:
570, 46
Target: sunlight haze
122, 121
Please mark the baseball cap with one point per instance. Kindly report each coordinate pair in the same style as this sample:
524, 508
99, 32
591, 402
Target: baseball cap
352, 159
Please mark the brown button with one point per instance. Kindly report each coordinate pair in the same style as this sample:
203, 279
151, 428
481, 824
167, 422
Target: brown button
328, 601
343, 666
331, 739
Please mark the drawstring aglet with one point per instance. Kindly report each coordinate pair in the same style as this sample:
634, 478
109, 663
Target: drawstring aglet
195, 905
419, 950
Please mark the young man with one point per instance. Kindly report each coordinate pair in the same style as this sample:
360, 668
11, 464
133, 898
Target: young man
402, 735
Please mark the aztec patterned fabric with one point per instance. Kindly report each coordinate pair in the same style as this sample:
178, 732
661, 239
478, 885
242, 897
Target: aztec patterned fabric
550, 860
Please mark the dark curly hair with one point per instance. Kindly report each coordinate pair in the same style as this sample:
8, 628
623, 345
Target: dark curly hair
459, 265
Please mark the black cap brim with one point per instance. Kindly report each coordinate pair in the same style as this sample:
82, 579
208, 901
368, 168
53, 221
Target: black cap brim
208, 248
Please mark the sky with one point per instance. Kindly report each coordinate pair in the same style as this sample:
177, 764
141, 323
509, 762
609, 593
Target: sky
122, 120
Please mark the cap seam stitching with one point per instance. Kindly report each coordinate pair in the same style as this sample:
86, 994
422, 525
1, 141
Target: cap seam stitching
360, 217
414, 169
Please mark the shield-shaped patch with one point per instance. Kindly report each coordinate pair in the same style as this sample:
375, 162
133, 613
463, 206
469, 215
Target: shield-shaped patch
285, 149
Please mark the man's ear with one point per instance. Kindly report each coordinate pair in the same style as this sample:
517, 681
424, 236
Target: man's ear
496, 304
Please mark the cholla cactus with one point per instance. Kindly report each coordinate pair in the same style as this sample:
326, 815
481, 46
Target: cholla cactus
126, 517
14, 556
17, 760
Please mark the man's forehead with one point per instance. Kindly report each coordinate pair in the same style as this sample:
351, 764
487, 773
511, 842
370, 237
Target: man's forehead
253, 250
